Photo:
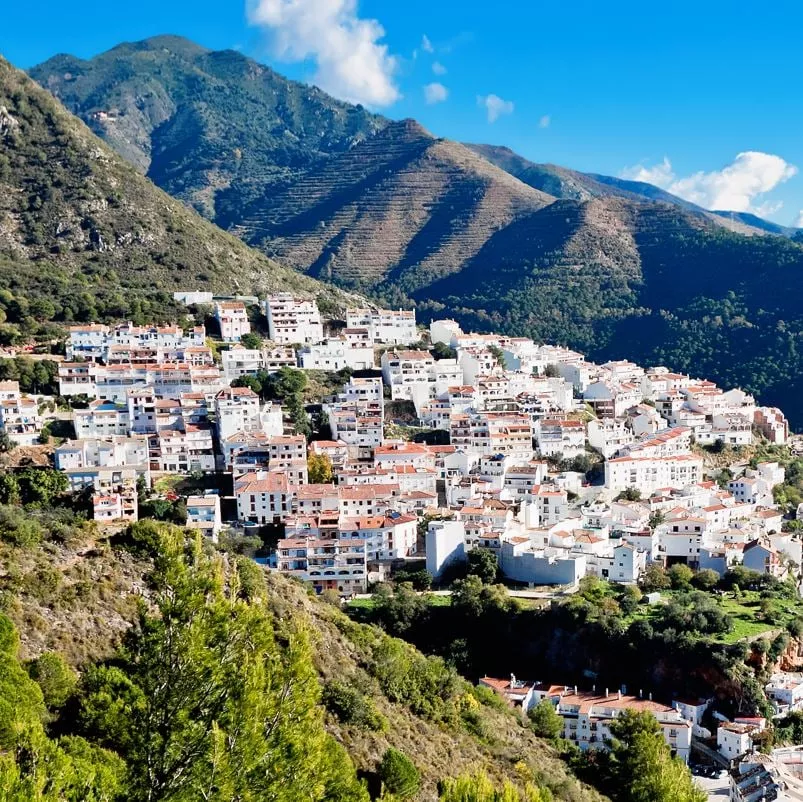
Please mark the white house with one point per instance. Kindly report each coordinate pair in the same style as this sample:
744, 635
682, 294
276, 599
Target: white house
560, 437
393, 327
337, 353
445, 544
232, 317
648, 474
203, 513
293, 320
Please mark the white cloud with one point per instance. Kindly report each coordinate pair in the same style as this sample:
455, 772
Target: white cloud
351, 62
737, 187
438, 68
659, 174
799, 222
435, 93
426, 45
545, 121
495, 106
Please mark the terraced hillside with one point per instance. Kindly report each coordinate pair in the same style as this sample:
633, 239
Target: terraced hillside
572, 184
402, 207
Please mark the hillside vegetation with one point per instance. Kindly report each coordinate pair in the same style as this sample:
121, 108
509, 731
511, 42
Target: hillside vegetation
84, 236
129, 617
211, 128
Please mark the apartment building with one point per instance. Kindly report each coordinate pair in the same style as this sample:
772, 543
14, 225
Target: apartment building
232, 317
559, 436
327, 564
293, 320
385, 326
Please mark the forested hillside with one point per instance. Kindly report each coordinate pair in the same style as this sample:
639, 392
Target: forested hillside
212, 128
198, 677
84, 237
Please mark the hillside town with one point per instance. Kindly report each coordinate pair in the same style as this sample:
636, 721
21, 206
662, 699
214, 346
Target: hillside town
428, 443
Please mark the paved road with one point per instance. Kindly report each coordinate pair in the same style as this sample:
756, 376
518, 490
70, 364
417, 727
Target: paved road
718, 790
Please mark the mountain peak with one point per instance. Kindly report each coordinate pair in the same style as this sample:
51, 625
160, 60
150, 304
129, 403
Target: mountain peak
407, 129
178, 45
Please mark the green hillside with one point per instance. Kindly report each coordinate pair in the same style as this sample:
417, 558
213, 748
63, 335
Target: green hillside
211, 128
154, 625
84, 236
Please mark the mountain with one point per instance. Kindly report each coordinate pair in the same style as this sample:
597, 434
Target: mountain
210, 128
572, 184
618, 268
85, 234
402, 208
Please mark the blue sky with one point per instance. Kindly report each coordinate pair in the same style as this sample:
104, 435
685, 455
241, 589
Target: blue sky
670, 92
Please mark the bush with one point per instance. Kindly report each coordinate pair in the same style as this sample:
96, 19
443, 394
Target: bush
680, 576
705, 579
398, 775
350, 706
56, 679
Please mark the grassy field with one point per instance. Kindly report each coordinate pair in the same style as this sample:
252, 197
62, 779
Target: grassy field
745, 613
369, 604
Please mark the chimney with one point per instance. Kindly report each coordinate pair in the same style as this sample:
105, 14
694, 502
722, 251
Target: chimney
650, 695
512, 680
575, 690
641, 693
607, 693
620, 694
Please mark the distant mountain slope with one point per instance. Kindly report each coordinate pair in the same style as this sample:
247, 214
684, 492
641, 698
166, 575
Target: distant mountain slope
565, 183
81, 227
403, 207
211, 128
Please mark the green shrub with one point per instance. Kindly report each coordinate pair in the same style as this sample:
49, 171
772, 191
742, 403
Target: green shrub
350, 706
56, 679
398, 775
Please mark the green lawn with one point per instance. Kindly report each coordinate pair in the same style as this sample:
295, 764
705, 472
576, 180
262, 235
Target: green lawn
745, 613
432, 600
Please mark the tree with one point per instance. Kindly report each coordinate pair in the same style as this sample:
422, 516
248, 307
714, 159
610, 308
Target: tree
54, 677
484, 564
6, 443
251, 382
443, 351
319, 468
654, 578
215, 699
34, 767
552, 371
398, 774
680, 576
642, 767
629, 494
498, 354
546, 722
630, 599
251, 340
40, 487
705, 579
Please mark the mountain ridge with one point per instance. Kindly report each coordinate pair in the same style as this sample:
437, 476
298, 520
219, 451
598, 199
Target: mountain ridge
77, 219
